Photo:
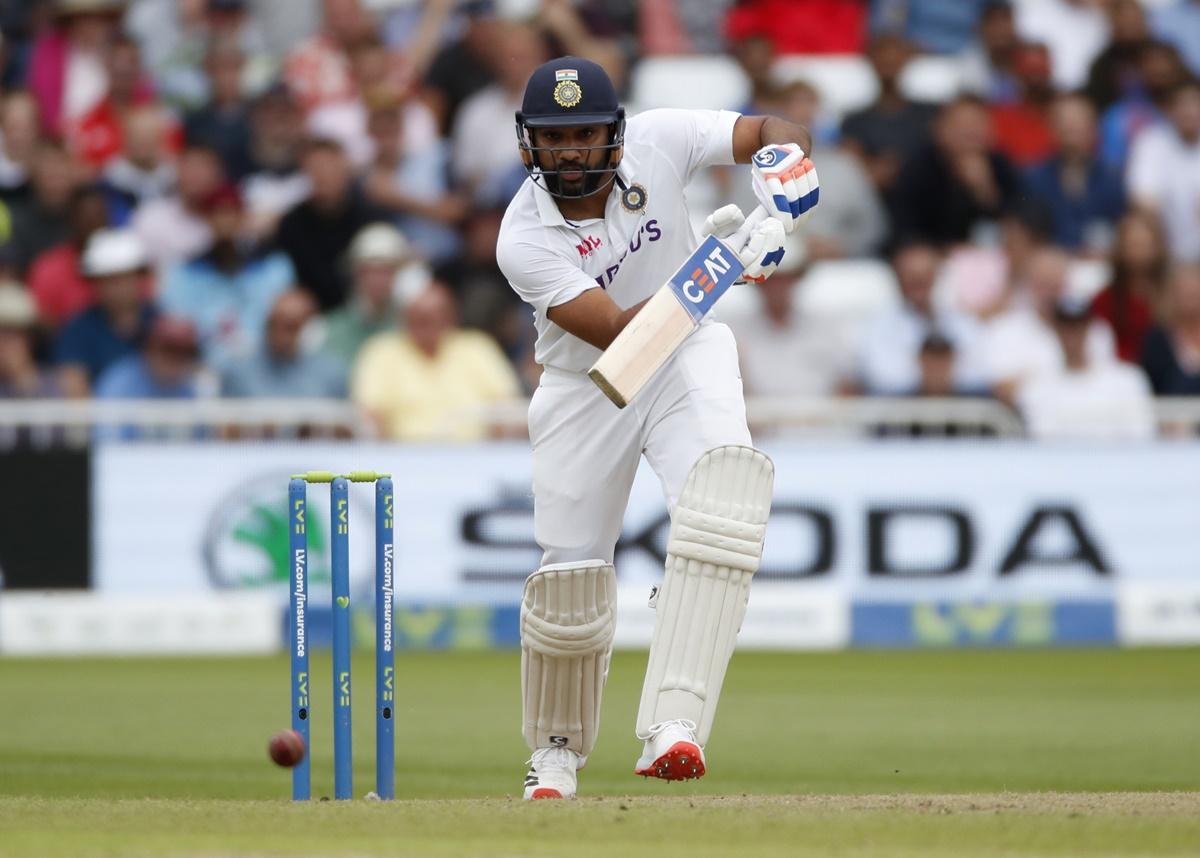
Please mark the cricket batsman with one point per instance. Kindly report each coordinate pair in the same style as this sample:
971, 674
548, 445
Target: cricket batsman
598, 226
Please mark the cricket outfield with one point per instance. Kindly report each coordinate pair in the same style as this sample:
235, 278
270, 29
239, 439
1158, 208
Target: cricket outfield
853, 754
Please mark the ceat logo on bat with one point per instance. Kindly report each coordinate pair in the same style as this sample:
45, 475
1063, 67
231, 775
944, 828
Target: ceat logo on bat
708, 272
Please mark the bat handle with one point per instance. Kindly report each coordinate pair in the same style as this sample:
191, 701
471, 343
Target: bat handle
756, 217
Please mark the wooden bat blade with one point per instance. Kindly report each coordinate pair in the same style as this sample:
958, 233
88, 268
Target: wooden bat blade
671, 314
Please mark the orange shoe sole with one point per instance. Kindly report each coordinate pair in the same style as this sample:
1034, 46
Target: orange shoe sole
545, 792
681, 762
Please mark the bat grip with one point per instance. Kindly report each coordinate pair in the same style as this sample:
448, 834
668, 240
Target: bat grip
756, 217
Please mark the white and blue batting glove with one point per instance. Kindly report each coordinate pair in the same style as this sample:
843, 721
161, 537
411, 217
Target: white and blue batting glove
724, 222
785, 182
763, 250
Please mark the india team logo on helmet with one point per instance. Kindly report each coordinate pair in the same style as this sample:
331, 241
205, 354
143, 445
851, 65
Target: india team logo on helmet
567, 92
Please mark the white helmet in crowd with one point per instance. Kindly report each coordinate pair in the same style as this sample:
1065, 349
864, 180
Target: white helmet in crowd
379, 242
113, 251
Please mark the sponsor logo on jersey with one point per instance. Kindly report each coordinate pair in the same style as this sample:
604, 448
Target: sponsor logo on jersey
650, 231
588, 245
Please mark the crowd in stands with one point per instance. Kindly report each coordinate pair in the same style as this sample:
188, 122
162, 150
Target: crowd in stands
301, 198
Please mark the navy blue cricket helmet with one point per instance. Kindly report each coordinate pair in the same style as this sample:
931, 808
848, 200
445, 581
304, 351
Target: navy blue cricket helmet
568, 92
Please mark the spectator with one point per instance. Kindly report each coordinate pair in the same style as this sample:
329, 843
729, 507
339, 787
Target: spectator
1118, 62
175, 227
892, 129
346, 121
986, 64
166, 367
40, 221
55, 281
227, 291
491, 174
1178, 22
956, 186
671, 28
318, 71
983, 281
1139, 264
1021, 343
115, 261
1075, 32
800, 26
223, 123
937, 26
1164, 172
317, 232
783, 350
67, 72
1085, 398
938, 377
412, 183
95, 138
276, 183
1171, 356
463, 67
891, 344
18, 144
1142, 103
283, 367
587, 28
939, 373
1021, 128
144, 170
20, 375
756, 55
376, 257
1084, 196
429, 382
851, 220
177, 39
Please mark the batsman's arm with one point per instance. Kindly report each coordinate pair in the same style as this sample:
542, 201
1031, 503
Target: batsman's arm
751, 133
593, 317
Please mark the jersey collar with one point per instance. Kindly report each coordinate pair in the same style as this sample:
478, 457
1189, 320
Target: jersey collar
548, 211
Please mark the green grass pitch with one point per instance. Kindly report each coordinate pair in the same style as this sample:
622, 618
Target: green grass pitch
982, 753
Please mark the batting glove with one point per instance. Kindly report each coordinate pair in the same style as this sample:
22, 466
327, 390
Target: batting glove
785, 182
763, 250
724, 222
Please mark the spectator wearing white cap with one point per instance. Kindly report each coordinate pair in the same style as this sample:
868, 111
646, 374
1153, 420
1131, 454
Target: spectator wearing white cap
377, 256
1085, 398
20, 375
115, 261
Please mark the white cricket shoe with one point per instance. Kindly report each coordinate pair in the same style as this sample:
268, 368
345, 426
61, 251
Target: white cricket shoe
552, 773
671, 752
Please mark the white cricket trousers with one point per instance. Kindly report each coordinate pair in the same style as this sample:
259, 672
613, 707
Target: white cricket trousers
586, 450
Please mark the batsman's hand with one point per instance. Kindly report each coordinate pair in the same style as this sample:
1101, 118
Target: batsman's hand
785, 182
762, 250
724, 222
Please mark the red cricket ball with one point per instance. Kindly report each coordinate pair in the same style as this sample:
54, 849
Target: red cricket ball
286, 748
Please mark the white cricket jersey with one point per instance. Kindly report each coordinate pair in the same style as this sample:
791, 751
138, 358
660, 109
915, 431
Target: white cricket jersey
631, 251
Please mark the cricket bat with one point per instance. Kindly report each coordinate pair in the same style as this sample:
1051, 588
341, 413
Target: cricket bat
668, 318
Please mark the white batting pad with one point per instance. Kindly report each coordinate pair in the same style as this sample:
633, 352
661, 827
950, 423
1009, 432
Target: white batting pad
714, 550
568, 615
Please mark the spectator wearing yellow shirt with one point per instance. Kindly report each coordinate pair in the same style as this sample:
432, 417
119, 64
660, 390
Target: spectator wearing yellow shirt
430, 381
